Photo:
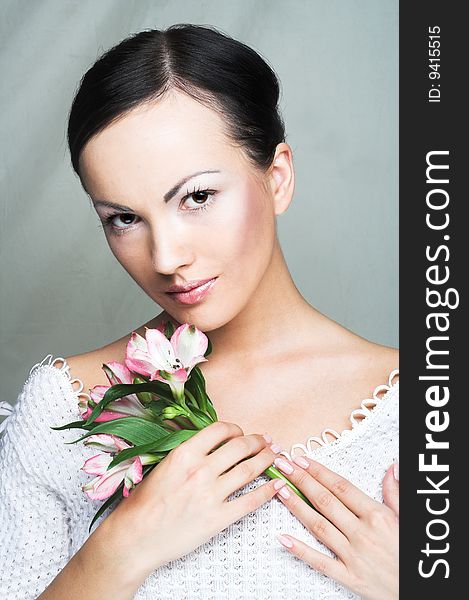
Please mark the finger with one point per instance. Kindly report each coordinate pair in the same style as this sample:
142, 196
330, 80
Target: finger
251, 501
318, 525
244, 472
326, 503
237, 450
317, 560
391, 489
351, 496
212, 436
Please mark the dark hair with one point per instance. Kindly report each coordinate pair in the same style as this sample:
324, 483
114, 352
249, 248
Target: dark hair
212, 67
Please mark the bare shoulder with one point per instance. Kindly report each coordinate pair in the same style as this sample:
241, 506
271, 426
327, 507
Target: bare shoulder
87, 367
377, 360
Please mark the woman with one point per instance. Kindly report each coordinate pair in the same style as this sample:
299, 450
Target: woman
177, 139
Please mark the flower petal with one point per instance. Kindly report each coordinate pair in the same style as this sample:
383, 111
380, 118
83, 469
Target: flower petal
117, 372
103, 441
97, 465
104, 486
175, 380
133, 475
189, 343
128, 405
98, 391
106, 442
137, 358
160, 350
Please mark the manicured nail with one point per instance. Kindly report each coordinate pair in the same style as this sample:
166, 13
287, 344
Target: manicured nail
301, 462
285, 541
276, 448
395, 470
284, 492
267, 437
279, 483
283, 466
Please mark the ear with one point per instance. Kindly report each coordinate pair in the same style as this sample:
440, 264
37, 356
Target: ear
282, 178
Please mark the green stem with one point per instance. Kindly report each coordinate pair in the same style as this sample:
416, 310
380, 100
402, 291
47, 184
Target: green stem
274, 473
191, 398
182, 421
199, 422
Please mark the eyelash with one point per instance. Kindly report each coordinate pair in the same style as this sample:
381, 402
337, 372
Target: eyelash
107, 221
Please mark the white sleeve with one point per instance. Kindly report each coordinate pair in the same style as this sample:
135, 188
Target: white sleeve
34, 525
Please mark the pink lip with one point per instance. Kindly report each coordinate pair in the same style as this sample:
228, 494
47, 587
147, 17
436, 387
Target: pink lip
195, 294
189, 286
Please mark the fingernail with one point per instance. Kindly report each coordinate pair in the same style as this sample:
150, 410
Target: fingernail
267, 437
395, 470
283, 466
285, 541
276, 448
279, 483
301, 462
284, 492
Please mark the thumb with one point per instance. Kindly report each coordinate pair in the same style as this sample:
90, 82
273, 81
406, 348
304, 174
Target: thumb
391, 488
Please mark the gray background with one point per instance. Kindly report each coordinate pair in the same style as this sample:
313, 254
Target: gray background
63, 292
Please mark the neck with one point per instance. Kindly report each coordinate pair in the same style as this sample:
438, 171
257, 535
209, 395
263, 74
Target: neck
273, 320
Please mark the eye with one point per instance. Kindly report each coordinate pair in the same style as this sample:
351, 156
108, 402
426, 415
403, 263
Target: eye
109, 222
202, 199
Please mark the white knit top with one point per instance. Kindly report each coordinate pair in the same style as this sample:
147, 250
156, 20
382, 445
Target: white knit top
44, 514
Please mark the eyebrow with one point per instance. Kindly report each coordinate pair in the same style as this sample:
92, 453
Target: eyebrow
167, 197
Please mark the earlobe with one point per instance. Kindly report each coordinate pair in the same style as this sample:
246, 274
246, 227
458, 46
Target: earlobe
282, 178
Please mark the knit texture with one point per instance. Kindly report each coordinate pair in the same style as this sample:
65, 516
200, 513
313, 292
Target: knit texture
44, 514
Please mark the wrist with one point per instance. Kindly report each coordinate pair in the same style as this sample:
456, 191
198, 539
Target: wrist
106, 552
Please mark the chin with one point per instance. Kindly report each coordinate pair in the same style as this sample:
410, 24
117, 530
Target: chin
204, 316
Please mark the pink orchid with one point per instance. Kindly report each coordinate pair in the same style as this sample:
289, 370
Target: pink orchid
169, 361
122, 407
107, 442
108, 480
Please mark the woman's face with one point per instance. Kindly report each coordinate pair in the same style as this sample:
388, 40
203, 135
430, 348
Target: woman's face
173, 227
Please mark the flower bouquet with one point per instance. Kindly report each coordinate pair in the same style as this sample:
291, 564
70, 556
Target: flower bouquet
129, 421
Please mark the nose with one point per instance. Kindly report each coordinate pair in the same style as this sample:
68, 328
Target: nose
170, 250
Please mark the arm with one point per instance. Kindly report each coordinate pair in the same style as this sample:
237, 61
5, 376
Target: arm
90, 574
34, 548
35, 515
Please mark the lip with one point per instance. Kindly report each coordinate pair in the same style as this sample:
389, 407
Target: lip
189, 286
194, 294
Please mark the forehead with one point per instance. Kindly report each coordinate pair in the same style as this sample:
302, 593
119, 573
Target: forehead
172, 136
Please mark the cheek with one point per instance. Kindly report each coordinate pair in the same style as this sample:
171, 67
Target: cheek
129, 255
244, 236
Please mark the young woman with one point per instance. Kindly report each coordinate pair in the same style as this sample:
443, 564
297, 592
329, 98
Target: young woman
177, 139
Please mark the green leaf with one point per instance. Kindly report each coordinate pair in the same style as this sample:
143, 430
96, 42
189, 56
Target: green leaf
156, 446
124, 389
211, 410
133, 429
74, 425
202, 415
197, 386
108, 502
135, 451
118, 493
169, 329
191, 398
155, 408
194, 385
144, 397
174, 439
163, 445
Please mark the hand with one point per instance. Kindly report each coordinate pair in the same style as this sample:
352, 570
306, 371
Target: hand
363, 533
181, 503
